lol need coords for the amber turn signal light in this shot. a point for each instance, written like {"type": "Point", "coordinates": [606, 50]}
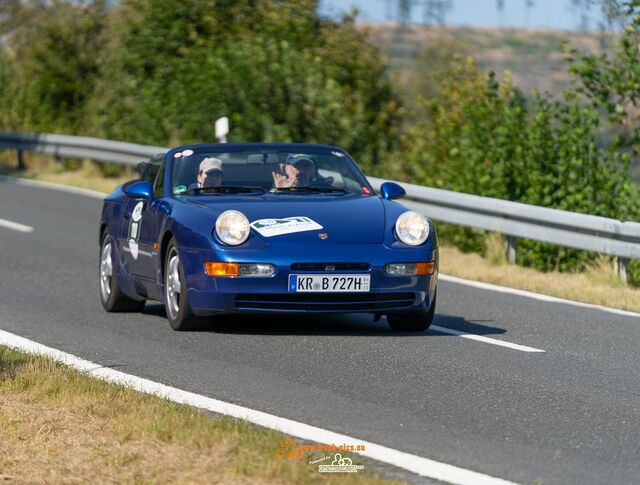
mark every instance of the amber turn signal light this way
{"type": "Point", "coordinates": [221, 269]}
{"type": "Point", "coordinates": [410, 269]}
{"type": "Point", "coordinates": [425, 268]}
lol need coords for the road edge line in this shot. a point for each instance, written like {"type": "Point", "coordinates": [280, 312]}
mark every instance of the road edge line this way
{"type": "Point", "coordinates": [53, 186]}
{"type": "Point", "coordinates": [412, 463]}
{"type": "Point", "coordinates": [536, 296]}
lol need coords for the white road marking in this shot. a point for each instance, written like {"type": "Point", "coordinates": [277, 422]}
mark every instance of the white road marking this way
{"type": "Point", "coordinates": [59, 187]}
{"type": "Point", "coordinates": [486, 340]}
{"type": "Point", "coordinates": [535, 296]}
{"type": "Point", "coordinates": [413, 463]}
{"type": "Point", "coordinates": [15, 226]}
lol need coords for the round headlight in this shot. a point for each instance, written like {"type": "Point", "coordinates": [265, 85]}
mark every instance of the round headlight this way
{"type": "Point", "coordinates": [412, 228]}
{"type": "Point", "coordinates": [232, 227]}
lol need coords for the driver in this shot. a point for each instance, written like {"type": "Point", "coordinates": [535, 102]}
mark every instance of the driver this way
{"type": "Point", "coordinates": [299, 171]}
{"type": "Point", "coordinates": [209, 173]}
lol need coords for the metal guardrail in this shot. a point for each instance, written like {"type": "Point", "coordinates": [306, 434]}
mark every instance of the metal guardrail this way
{"type": "Point", "coordinates": [79, 147]}
{"type": "Point", "coordinates": [516, 220]}
{"type": "Point", "coordinates": [564, 228]}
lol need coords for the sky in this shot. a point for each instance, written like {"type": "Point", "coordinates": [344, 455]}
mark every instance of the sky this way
{"type": "Point", "coordinates": [553, 14]}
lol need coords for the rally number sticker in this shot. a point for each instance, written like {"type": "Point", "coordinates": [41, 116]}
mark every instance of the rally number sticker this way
{"type": "Point", "coordinates": [134, 229]}
{"type": "Point", "coordinates": [287, 225]}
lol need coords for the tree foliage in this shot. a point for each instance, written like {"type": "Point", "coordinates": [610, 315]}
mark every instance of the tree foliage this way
{"type": "Point", "coordinates": [162, 72]}
{"type": "Point", "coordinates": [484, 137]}
{"type": "Point", "coordinates": [50, 63]}
{"type": "Point", "coordinates": [611, 80]}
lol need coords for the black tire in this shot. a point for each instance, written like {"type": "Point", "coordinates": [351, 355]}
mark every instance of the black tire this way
{"type": "Point", "coordinates": [177, 307]}
{"type": "Point", "coordinates": [412, 322]}
{"type": "Point", "coordinates": [111, 297]}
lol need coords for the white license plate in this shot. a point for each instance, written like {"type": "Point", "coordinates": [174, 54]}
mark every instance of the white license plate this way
{"type": "Point", "coordinates": [335, 283]}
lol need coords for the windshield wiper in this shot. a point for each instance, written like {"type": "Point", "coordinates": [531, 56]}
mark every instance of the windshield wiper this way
{"type": "Point", "coordinates": [224, 189]}
{"type": "Point", "coordinates": [310, 188]}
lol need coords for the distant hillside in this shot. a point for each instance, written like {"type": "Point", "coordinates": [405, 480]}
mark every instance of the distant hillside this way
{"type": "Point", "coordinates": [533, 56]}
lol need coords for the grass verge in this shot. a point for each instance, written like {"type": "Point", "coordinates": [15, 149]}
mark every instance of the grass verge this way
{"type": "Point", "coordinates": [84, 173]}
{"type": "Point", "coordinates": [599, 285]}
{"type": "Point", "coordinates": [59, 425]}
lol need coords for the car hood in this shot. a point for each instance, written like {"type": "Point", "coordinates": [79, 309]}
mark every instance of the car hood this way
{"type": "Point", "coordinates": [344, 219]}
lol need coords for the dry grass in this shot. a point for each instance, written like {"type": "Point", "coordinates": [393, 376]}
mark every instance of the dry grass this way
{"type": "Point", "coordinates": [599, 285]}
{"type": "Point", "coordinates": [58, 425]}
{"type": "Point", "coordinates": [84, 174]}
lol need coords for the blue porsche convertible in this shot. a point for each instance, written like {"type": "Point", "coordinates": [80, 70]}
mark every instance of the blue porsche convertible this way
{"type": "Point", "coordinates": [265, 228]}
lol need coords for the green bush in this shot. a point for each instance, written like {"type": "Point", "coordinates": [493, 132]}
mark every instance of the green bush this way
{"type": "Point", "coordinates": [275, 68]}
{"type": "Point", "coordinates": [633, 272]}
{"type": "Point", "coordinates": [483, 137]}
{"type": "Point", "coordinates": [70, 164]}
{"type": "Point", "coordinates": [52, 57]}
{"type": "Point", "coordinates": [161, 72]}
{"type": "Point", "coordinates": [610, 81]}
{"type": "Point", "coordinates": [111, 170]}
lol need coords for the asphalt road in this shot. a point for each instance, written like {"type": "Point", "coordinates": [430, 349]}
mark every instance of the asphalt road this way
{"type": "Point", "coordinates": [568, 415]}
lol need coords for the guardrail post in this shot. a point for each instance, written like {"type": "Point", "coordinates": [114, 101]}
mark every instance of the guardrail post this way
{"type": "Point", "coordinates": [510, 249]}
{"type": "Point", "coordinates": [621, 268]}
{"type": "Point", "coordinates": [21, 164]}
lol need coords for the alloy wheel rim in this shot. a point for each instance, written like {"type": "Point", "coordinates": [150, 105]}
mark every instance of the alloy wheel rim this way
{"type": "Point", "coordinates": [172, 285]}
{"type": "Point", "coordinates": [106, 271]}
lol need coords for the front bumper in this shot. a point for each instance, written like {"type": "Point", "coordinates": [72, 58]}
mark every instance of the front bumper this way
{"type": "Point", "coordinates": [397, 294]}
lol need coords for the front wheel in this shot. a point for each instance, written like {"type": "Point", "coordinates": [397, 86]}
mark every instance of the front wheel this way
{"type": "Point", "coordinates": [112, 298]}
{"type": "Point", "coordinates": [412, 322]}
{"type": "Point", "coordinates": [176, 301]}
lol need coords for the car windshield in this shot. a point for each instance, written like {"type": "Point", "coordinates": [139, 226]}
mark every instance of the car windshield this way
{"type": "Point", "coordinates": [223, 170]}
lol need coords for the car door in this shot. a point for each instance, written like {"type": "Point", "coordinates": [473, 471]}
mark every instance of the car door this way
{"type": "Point", "coordinates": [140, 225]}
{"type": "Point", "coordinates": [153, 215]}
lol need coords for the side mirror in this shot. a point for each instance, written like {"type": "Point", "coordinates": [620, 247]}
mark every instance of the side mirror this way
{"type": "Point", "coordinates": [141, 189]}
{"type": "Point", "coordinates": [391, 190]}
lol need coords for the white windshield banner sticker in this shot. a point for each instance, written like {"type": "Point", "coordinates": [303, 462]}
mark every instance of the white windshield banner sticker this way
{"type": "Point", "coordinates": [287, 225]}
